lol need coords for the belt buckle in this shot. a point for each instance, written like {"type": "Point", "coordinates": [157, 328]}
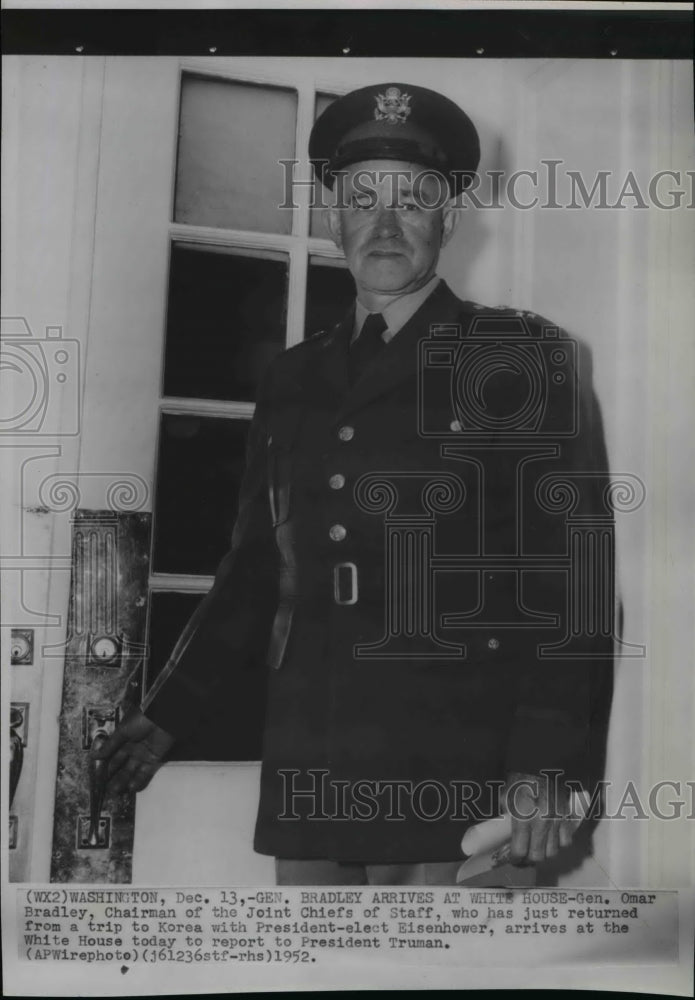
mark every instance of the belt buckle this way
{"type": "Point", "coordinates": [337, 589]}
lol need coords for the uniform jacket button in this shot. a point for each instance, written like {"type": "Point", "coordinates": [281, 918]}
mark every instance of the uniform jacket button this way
{"type": "Point", "coordinates": [337, 481]}
{"type": "Point", "coordinates": [346, 433]}
{"type": "Point", "coordinates": [338, 532]}
{"type": "Point", "coordinates": [493, 643]}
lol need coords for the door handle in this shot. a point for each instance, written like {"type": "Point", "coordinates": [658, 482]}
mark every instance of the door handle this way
{"type": "Point", "coordinates": [98, 776]}
{"type": "Point", "coordinates": [16, 749]}
{"type": "Point", "coordinates": [99, 723]}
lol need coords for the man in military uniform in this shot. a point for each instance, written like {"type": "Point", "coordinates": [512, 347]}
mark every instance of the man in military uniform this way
{"type": "Point", "coordinates": [397, 559]}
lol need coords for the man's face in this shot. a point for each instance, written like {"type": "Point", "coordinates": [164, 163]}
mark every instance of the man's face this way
{"type": "Point", "coordinates": [390, 238]}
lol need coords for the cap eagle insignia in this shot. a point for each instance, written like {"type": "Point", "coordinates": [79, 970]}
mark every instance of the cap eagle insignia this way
{"type": "Point", "coordinates": [392, 107]}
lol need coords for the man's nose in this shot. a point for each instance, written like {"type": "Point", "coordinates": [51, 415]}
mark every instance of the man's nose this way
{"type": "Point", "coordinates": [387, 222]}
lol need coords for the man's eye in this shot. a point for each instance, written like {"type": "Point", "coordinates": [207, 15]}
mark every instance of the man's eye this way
{"type": "Point", "coordinates": [362, 202]}
{"type": "Point", "coordinates": [409, 205]}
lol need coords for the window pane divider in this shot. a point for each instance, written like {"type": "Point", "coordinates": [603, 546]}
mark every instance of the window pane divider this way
{"type": "Point", "coordinates": [303, 171]}
{"type": "Point", "coordinates": [207, 407]}
{"type": "Point", "coordinates": [178, 582]}
{"type": "Point", "coordinates": [238, 71]}
{"type": "Point", "coordinates": [296, 292]}
{"type": "Point", "coordinates": [183, 232]}
{"type": "Point", "coordinates": [275, 73]}
{"type": "Point", "coordinates": [212, 763]}
{"type": "Point", "coordinates": [324, 248]}
{"type": "Point", "coordinates": [326, 85]}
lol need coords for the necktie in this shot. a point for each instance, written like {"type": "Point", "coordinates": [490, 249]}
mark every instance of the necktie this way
{"type": "Point", "coordinates": [367, 346]}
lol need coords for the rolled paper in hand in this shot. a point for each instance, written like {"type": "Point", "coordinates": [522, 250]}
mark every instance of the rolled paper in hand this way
{"type": "Point", "coordinates": [493, 833]}
{"type": "Point", "coordinates": [487, 845]}
{"type": "Point", "coordinates": [487, 836]}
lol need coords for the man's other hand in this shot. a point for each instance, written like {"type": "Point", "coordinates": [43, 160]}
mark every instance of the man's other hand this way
{"type": "Point", "coordinates": [135, 752]}
{"type": "Point", "coordinates": [539, 807]}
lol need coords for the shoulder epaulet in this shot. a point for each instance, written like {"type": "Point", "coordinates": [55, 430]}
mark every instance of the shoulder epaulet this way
{"type": "Point", "coordinates": [535, 319]}
{"type": "Point", "coordinates": [320, 333]}
{"type": "Point", "coordinates": [308, 341]}
{"type": "Point", "coordinates": [527, 314]}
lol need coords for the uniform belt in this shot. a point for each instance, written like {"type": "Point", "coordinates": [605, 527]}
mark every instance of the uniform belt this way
{"type": "Point", "coordinates": [343, 587]}
{"type": "Point", "coordinates": [345, 583]}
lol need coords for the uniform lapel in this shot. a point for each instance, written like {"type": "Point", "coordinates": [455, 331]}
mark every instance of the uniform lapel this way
{"type": "Point", "coordinates": [399, 359]}
{"type": "Point", "coordinates": [326, 377]}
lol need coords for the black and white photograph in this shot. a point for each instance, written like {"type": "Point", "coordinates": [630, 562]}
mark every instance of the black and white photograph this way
{"type": "Point", "coordinates": [346, 421]}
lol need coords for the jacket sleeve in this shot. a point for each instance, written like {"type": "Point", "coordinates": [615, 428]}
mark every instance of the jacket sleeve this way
{"type": "Point", "coordinates": [231, 624]}
{"type": "Point", "coordinates": [562, 703]}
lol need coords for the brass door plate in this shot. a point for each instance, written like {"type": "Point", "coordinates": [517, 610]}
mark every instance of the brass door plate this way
{"type": "Point", "coordinates": [19, 719]}
{"type": "Point", "coordinates": [103, 834]}
{"type": "Point", "coordinates": [104, 650]}
{"type": "Point", "coordinates": [96, 718]}
{"type": "Point", "coordinates": [21, 647]}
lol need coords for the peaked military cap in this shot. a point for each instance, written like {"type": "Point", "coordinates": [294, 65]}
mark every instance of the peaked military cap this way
{"type": "Point", "coordinates": [395, 121]}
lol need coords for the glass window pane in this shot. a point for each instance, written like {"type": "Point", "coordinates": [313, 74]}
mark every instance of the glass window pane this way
{"type": "Point", "coordinates": [231, 139]}
{"type": "Point", "coordinates": [316, 224]}
{"type": "Point", "coordinates": [232, 726]}
{"type": "Point", "coordinates": [226, 320]}
{"type": "Point", "coordinates": [199, 470]}
{"type": "Point", "coordinates": [323, 99]}
{"type": "Point", "coordinates": [330, 291]}
{"type": "Point", "coordinates": [169, 613]}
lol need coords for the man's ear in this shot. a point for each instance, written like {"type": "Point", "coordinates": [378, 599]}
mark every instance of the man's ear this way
{"type": "Point", "coordinates": [332, 221]}
{"type": "Point", "coordinates": [450, 220]}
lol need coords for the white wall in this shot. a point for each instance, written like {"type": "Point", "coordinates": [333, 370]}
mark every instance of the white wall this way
{"type": "Point", "coordinates": [51, 112]}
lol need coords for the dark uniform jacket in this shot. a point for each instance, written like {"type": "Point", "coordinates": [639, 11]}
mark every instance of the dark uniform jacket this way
{"type": "Point", "coordinates": [399, 559]}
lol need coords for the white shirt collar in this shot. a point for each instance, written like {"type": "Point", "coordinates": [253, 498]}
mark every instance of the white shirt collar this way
{"type": "Point", "coordinates": [398, 312]}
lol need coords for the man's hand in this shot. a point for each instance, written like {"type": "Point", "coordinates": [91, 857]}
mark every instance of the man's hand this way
{"type": "Point", "coordinates": [539, 807]}
{"type": "Point", "coordinates": [135, 752]}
